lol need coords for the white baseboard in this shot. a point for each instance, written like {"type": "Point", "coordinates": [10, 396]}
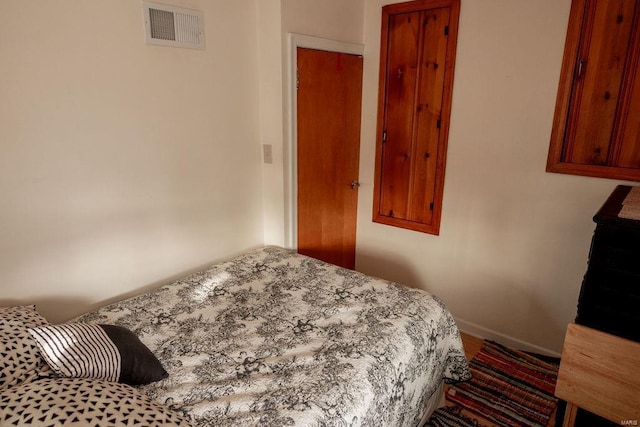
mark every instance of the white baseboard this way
{"type": "Point", "coordinates": [486, 333]}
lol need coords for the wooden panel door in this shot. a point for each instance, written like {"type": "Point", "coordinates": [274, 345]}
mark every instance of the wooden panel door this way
{"type": "Point", "coordinates": [403, 45]}
{"type": "Point", "coordinates": [417, 48]}
{"type": "Point", "coordinates": [627, 140]}
{"type": "Point", "coordinates": [428, 115]}
{"type": "Point", "coordinates": [417, 57]}
{"type": "Point", "coordinates": [600, 69]}
{"type": "Point", "coordinates": [329, 105]}
{"type": "Point", "coordinates": [596, 127]}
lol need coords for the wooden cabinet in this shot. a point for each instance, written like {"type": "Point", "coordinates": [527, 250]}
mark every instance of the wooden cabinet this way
{"type": "Point", "coordinates": [596, 129]}
{"type": "Point", "coordinates": [610, 294]}
{"type": "Point", "coordinates": [416, 79]}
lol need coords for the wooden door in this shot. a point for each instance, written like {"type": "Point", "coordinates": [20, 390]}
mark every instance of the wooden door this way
{"type": "Point", "coordinates": [417, 57]}
{"type": "Point", "coordinates": [329, 105]}
{"type": "Point", "coordinates": [599, 81]}
{"type": "Point", "coordinates": [596, 127]}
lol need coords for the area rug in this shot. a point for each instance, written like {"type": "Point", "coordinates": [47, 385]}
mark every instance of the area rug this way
{"type": "Point", "coordinates": [452, 416]}
{"type": "Point", "coordinates": [508, 388]}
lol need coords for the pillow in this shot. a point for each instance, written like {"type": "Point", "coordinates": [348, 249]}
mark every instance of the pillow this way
{"type": "Point", "coordinates": [82, 402]}
{"type": "Point", "coordinates": [20, 359]}
{"type": "Point", "coordinates": [105, 352]}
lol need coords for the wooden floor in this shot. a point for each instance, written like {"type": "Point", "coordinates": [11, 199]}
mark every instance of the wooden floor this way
{"type": "Point", "coordinates": [472, 345]}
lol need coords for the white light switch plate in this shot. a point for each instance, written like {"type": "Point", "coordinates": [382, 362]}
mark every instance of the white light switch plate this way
{"type": "Point", "coordinates": [267, 151]}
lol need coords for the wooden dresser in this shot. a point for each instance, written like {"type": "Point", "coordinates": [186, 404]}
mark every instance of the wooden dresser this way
{"type": "Point", "coordinates": [600, 365]}
{"type": "Point", "coordinates": [610, 295]}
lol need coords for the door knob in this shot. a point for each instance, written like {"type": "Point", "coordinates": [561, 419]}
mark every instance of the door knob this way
{"type": "Point", "coordinates": [355, 184]}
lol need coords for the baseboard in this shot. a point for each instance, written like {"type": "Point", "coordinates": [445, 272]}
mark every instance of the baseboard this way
{"type": "Point", "coordinates": [486, 333]}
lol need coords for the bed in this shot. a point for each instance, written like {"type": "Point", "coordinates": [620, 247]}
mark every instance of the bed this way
{"type": "Point", "coordinates": [274, 338]}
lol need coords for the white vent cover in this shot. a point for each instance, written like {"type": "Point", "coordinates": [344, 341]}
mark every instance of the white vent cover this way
{"type": "Point", "coordinates": [173, 26]}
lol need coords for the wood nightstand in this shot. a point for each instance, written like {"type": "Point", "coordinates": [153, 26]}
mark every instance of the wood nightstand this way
{"type": "Point", "coordinates": [599, 372]}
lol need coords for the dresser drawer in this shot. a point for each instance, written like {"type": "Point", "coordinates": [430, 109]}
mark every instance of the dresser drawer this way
{"type": "Point", "coordinates": [617, 248]}
{"type": "Point", "coordinates": [609, 301]}
{"type": "Point", "coordinates": [609, 320]}
{"type": "Point", "coordinates": [600, 282]}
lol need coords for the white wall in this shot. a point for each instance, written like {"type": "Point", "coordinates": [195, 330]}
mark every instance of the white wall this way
{"type": "Point", "coordinates": [339, 20]}
{"type": "Point", "coordinates": [122, 164]}
{"type": "Point", "coordinates": [514, 239]}
{"type": "Point", "coordinates": [272, 92]}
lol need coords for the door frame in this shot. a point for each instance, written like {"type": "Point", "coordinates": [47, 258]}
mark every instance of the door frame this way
{"type": "Point", "coordinates": [291, 144]}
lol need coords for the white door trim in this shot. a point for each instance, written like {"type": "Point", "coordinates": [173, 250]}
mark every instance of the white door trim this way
{"type": "Point", "coordinates": [290, 147]}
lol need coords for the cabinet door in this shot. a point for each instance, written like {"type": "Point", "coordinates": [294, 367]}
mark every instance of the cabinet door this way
{"type": "Point", "coordinates": [598, 82]}
{"type": "Point", "coordinates": [428, 115]}
{"type": "Point", "coordinates": [400, 81]}
{"type": "Point", "coordinates": [627, 147]}
{"type": "Point", "coordinates": [416, 78]}
{"type": "Point", "coordinates": [596, 131]}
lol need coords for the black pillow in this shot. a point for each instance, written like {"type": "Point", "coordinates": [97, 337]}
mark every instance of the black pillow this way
{"type": "Point", "coordinates": [107, 352]}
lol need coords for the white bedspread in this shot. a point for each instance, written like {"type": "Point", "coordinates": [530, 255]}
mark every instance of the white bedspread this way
{"type": "Point", "coordinates": [273, 338]}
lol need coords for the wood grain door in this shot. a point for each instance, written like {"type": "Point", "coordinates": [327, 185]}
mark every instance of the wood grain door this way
{"type": "Point", "coordinates": [329, 104]}
{"type": "Point", "coordinates": [417, 58]}
{"type": "Point", "coordinates": [599, 81]}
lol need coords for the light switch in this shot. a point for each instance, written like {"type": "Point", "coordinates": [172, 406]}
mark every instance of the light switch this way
{"type": "Point", "coordinates": [267, 151]}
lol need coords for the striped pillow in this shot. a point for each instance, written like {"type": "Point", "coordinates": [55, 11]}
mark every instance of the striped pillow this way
{"type": "Point", "coordinates": [106, 352]}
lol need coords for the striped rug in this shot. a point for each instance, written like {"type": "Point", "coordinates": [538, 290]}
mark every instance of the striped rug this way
{"type": "Point", "coordinates": [508, 388]}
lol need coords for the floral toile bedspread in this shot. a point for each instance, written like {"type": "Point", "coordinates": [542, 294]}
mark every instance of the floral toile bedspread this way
{"type": "Point", "coordinates": [273, 338]}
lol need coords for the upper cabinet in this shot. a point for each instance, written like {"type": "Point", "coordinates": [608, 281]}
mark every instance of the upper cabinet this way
{"type": "Point", "coordinates": [416, 79]}
{"type": "Point", "coordinates": [596, 129]}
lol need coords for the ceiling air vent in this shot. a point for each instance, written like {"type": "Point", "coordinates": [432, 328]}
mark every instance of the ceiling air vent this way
{"type": "Point", "coordinates": [173, 26]}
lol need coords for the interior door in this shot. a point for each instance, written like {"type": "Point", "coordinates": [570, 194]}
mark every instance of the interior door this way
{"type": "Point", "coordinates": [328, 115]}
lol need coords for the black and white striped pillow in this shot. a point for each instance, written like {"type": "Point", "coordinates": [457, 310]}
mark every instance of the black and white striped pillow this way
{"type": "Point", "coordinates": [107, 352]}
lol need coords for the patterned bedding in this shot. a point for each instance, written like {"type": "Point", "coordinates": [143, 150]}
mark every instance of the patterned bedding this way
{"type": "Point", "coordinates": [273, 338]}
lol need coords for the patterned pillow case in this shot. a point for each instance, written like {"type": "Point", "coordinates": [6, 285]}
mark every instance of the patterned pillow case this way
{"type": "Point", "coordinates": [107, 352]}
{"type": "Point", "coordinates": [20, 359]}
{"type": "Point", "coordinates": [53, 402]}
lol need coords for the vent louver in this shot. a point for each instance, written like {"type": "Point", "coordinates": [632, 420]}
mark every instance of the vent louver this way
{"type": "Point", "coordinates": [173, 26]}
